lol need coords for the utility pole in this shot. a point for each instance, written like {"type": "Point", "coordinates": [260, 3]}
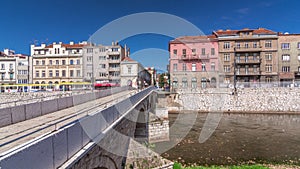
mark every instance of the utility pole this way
{"type": "Point", "coordinates": [234, 71]}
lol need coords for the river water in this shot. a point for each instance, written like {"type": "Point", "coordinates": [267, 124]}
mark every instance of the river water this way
{"type": "Point", "coordinates": [238, 138]}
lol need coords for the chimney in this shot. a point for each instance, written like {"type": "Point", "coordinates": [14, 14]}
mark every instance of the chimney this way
{"type": "Point", "coordinates": [60, 43]}
{"type": "Point", "coordinates": [71, 43]}
{"type": "Point", "coordinates": [54, 43]}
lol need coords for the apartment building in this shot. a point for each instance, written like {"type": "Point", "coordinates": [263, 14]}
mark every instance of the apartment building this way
{"type": "Point", "coordinates": [57, 63]}
{"type": "Point", "coordinates": [193, 62]}
{"type": "Point", "coordinates": [14, 67]}
{"type": "Point", "coordinates": [289, 58]}
{"type": "Point", "coordinates": [251, 53]}
{"type": "Point", "coordinates": [134, 74]}
{"type": "Point", "coordinates": [102, 63]}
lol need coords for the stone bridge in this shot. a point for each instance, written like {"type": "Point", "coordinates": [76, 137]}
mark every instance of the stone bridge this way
{"type": "Point", "coordinates": [100, 140]}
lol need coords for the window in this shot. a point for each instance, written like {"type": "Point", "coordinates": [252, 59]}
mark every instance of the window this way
{"type": "Point", "coordinates": [129, 69]}
{"type": "Point", "coordinates": [71, 62]}
{"type": "Point", "coordinates": [285, 57]}
{"type": "Point", "coordinates": [203, 51]}
{"type": "Point", "coordinates": [212, 52]}
{"type": "Point", "coordinates": [226, 68]}
{"type": "Point", "coordinates": [298, 45]}
{"type": "Point", "coordinates": [194, 52]}
{"type": "Point", "coordinates": [227, 57]}
{"type": "Point", "coordinates": [11, 76]}
{"type": "Point", "coordinates": [43, 62]}
{"type": "Point", "coordinates": [11, 66]}
{"type": "Point", "coordinates": [71, 73]}
{"type": "Point", "coordinates": [102, 74]}
{"type": "Point", "coordinates": [50, 62]}
{"type": "Point", "coordinates": [254, 68]}
{"type": "Point", "coordinates": [184, 52]}
{"type": "Point", "coordinates": [63, 62]}
{"type": "Point", "coordinates": [37, 62]}
{"type": "Point", "coordinates": [268, 68]}
{"type": "Point", "coordinates": [78, 62]}
{"type": "Point", "coordinates": [37, 73]}
{"type": "Point", "coordinates": [268, 44]}
{"type": "Point", "coordinates": [268, 56]}
{"type": "Point", "coordinates": [78, 74]}
{"type": "Point", "coordinates": [89, 58]}
{"type": "Point", "coordinates": [184, 67]}
{"type": "Point", "coordinates": [114, 49]}
{"type": "Point", "coordinates": [103, 66]}
{"type": "Point", "coordinates": [285, 46]}
{"type": "Point", "coordinates": [50, 73]}
{"type": "Point", "coordinates": [2, 66]}
{"type": "Point", "coordinates": [203, 67]}
{"type": "Point", "coordinates": [102, 50]}
{"type": "Point", "coordinates": [57, 73]}
{"type": "Point", "coordinates": [57, 62]}
{"type": "Point", "coordinates": [254, 44]}
{"type": "Point", "coordinates": [184, 83]}
{"type": "Point", "coordinates": [298, 68]}
{"type": "Point", "coordinates": [89, 50]}
{"type": "Point", "coordinates": [63, 73]}
{"type": "Point", "coordinates": [246, 45]}
{"type": "Point", "coordinates": [194, 83]}
{"type": "Point", "coordinates": [226, 45]}
{"type": "Point", "coordinates": [175, 67]}
{"type": "Point", "coordinates": [299, 57]}
{"type": "Point", "coordinates": [213, 66]}
{"type": "Point", "coordinates": [102, 57]}
{"type": "Point", "coordinates": [89, 74]}
{"type": "Point", "coordinates": [43, 73]}
{"type": "Point", "coordinates": [268, 79]}
{"type": "Point", "coordinates": [238, 45]}
{"type": "Point", "coordinates": [285, 69]}
{"type": "Point", "coordinates": [194, 67]}
{"type": "Point", "coordinates": [175, 82]}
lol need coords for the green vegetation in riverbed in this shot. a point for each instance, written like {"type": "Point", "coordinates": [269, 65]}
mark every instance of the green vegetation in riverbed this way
{"type": "Point", "coordinates": [179, 166]}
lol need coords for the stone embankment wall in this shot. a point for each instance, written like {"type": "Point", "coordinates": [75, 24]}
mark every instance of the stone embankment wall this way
{"type": "Point", "coordinates": [247, 99]}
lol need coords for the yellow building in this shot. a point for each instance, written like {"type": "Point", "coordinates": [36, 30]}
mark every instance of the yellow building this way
{"type": "Point", "coordinates": [56, 63]}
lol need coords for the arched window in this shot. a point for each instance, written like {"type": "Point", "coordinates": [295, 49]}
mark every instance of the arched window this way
{"type": "Point", "coordinates": [194, 83]}
{"type": "Point", "coordinates": [203, 82]}
{"type": "Point", "coordinates": [184, 83]}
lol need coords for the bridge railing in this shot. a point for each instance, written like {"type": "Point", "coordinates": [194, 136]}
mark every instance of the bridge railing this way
{"type": "Point", "coordinates": [55, 148]}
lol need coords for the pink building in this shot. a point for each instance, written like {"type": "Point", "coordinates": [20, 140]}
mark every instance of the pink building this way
{"type": "Point", "coordinates": [194, 62]}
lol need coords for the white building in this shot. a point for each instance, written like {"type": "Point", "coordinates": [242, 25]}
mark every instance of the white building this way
{"type": "Point", "coordinates": [134, 74]}
{"type": "Point", "coordinates": [102, 63]}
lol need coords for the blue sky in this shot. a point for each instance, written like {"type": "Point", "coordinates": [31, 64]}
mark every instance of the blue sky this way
{"type": "Point", "coordinates": [32, 21]}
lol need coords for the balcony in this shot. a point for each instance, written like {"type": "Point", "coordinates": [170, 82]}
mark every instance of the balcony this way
{"type": "Point", "coordinates": [195, 57]}
{"type": "Point", "coordinates": [11, 70]}
{"type": "Point", "coordinates": [248, 73]}
{"type": "Point", "coordinates": [248, 49]}
{"type": "Point", "coordinates": [113, 61]}
{"type": "Point", "coordinates": [2, 71]}
{"type": "Point", "coordinates": [113, 69]}
{"type": "Point", "coordinates": [248, 61]}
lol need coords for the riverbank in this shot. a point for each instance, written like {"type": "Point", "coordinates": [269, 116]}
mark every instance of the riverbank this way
{"type": "Point", "coordinates": [247, 100]}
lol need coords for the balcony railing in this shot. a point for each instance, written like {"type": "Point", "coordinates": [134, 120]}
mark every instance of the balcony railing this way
{"type": "Point", "coordinates": [195, 57]}
{"type": "Point", "coordinates": [248, 73]}
{"type": "Point", "coordinates": [249, 48]}
{"type": "Point", "coordinates": [248, 61]}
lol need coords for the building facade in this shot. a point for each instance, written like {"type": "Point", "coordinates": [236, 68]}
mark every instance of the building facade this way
{"type": "Point", "coordinates": [134, 74]}
{"type": "Point", "coordinates": [102, 63]}
{"type": "Point", "coordinates": [14, 68]}
{"type": "Point", "coordinates": [193, 62]}
{"type": "Point", "coordinates": [57, 63]}
{"type": "Point", "coordinates": [289, 59]}
{"type": "Point", "coordinates": [249, 55]}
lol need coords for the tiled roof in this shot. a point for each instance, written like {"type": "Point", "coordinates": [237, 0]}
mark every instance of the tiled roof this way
{"type": "Point", "coordinates": [259, 31]}
{"type": "Point", "coordinates": [128, 59]}
{"type": "Point", "coordinates": [184, 39]}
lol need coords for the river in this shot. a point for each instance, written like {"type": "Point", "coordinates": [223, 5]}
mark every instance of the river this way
{"type": "Point", "coordinates": [238, 138]}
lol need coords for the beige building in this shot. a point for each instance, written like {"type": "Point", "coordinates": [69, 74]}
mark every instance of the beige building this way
{"type": "Point", "coordinates": [252, 53]}
{"type": "Point", "coordinates": [57, 63]}
{"type": "Point", "coordinates": [289, 59]}
{"type": "Point", "coordinates": [102, 63]}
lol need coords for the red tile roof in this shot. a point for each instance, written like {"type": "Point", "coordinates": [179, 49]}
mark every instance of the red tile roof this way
{"type": "Point", "coordinates": [184, 39]}
{"type": "Point", "coordinates": [128, 59]}
{"type": "Point", "coordinates": [258, 31]}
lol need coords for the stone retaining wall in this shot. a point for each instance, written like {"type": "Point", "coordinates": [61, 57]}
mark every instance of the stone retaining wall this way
{"type": "Point", "coordinates": [247, 99]}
